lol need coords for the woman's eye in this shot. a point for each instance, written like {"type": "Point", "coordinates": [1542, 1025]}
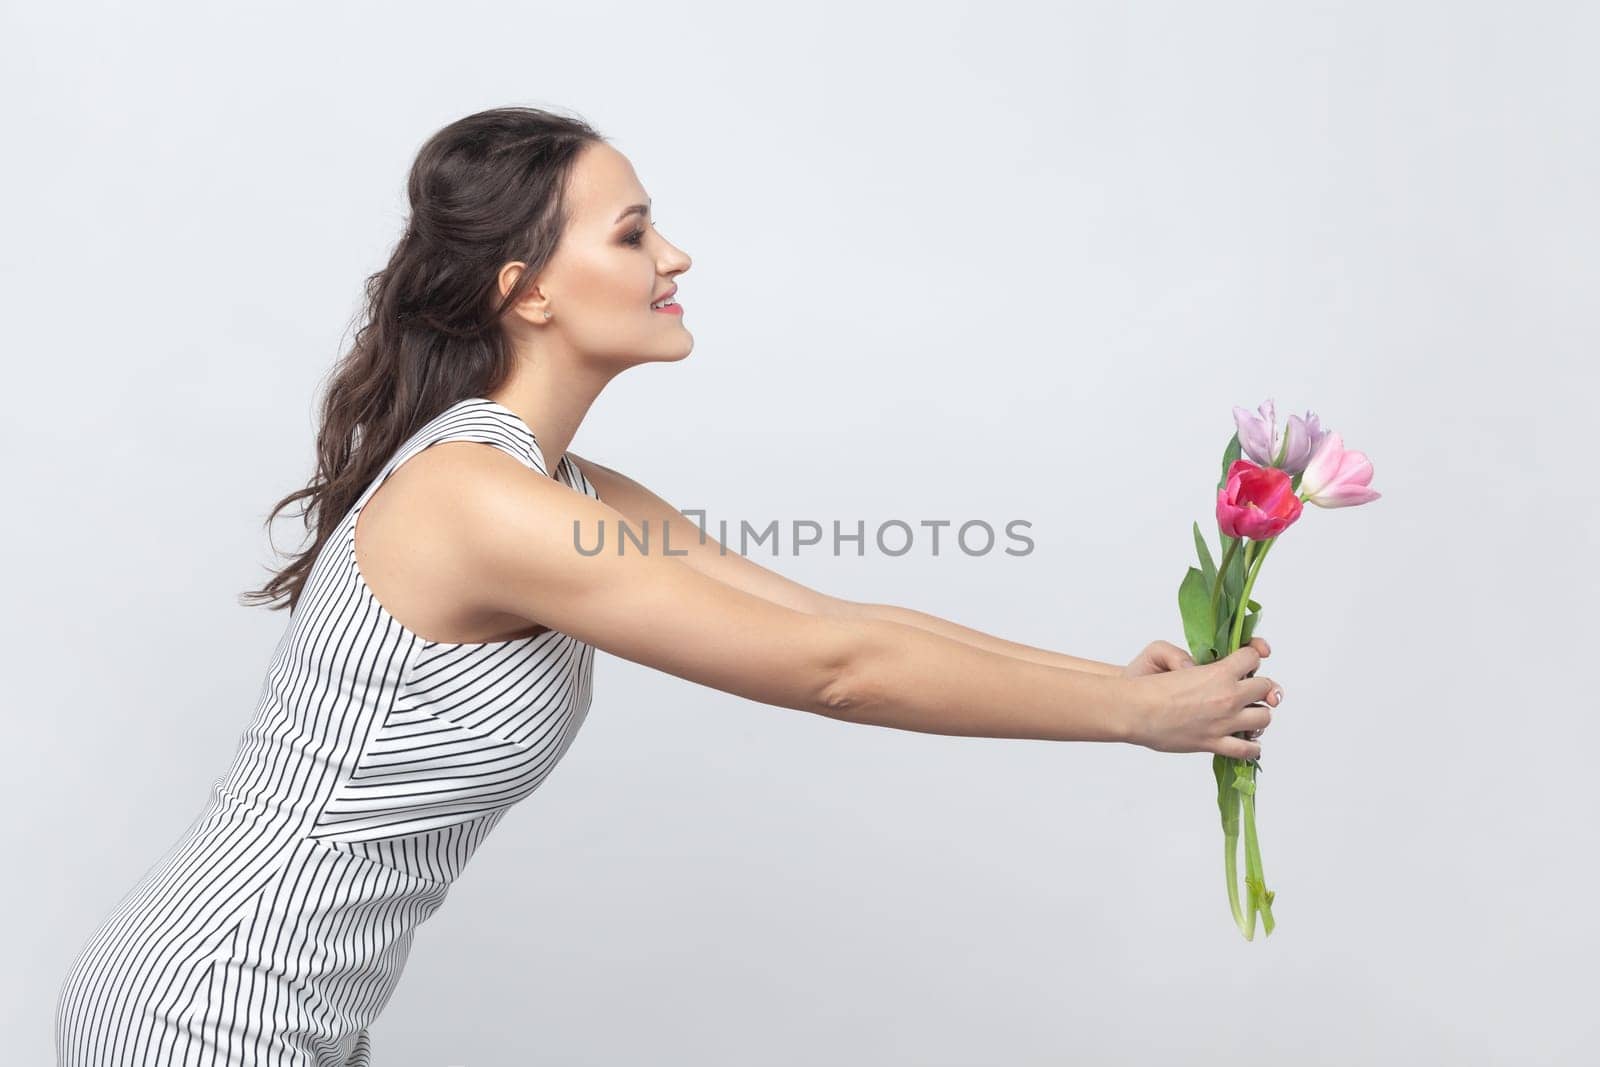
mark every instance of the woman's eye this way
{"type": "Point", "coordinates": [634, 237]}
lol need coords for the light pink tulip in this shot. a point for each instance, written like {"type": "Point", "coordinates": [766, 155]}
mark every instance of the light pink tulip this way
{"type": "Point", "coordinates": [1336, 477]}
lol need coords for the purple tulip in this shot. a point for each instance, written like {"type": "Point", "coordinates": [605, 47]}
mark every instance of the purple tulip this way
{"type": "Point", "coordinates": [1336, 478]}
{"type": "Point", "coordinates": [1288, 448]}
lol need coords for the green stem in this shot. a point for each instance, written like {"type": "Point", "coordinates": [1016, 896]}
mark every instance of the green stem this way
{"type": "Point", "coordinates": [1260, 897]}
{"type": "Point", "coordinates": [1257, 897]}
{"type": "Point", "coordinates": [1252, 866]}
{"type": "Point", "coordinates": [1252, 568]}
{"type": "Point", "coordinates": [1222, 569]}
{"type": "Point", "coordinates": [1230, 844]}
{"type": "Point", "coordinates": [1228, 802]}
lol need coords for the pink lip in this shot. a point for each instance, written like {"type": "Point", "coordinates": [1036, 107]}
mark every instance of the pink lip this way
{"type": "Point", "coordinates": [670, 309]}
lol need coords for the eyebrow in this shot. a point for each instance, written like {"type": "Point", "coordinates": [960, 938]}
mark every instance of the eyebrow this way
{"type": "Point", "coordinates": [636, 209]}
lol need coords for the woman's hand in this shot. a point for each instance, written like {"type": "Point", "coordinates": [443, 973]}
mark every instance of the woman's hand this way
{"type": "Point", "coordinates": [1160, 656]}
{"type": "Point", "coordinates": [1195, 710]}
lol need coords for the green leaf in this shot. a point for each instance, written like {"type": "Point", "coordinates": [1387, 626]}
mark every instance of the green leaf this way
{"type": "Point", "coordinates": [1228, 800]}
{"type": "Point", "coordinates": [1249, 627]}
{"type": "Point", "coordinates": [1228, 603]}
{"type": "Point", "coordinates": [1194, 603]}
{"type": "Point", "coordinates": [1223, 634]}
{"type": "Point", "coordinates": [1207, 566]}
{"type": "Point", "coordinates": [1229, 454]}
{"type": "Point", "coordinates": [1233, 580]}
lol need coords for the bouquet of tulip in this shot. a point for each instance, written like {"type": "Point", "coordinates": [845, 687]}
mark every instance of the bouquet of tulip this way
{"type": "Point", "coordinates": [1257, 499]}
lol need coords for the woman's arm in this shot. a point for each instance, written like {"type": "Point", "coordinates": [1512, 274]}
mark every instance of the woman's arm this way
{"type": "Point", "coordinates": [646, 510]}
{"type": "Point", "coordinates": [515, 536]}
{"type": "Point", "coordinates": [977, 638]}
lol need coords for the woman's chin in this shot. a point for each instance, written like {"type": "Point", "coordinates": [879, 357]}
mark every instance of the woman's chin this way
{"type": "Point", "coordinates": [673, 355]}
{"type": "Point", "coordinates": [660, 354]}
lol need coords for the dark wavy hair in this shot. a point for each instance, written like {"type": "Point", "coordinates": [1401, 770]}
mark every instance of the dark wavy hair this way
{"type": "Point", "coordinates": [485, 190]}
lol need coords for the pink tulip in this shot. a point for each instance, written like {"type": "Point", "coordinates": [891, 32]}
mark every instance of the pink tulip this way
{"type": "Point", "coordinates": [1257, 502]}
{"type": "Point", "coordinates": [1337, 478]}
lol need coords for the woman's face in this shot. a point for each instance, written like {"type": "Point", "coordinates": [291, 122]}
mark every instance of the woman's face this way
{"type": "Point", "coordinates": [610, 265]}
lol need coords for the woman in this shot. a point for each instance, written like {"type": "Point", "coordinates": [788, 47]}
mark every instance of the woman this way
{"type": "Point", "coordinates": [437, 661]}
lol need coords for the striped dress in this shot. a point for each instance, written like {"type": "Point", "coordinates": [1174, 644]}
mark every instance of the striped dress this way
{"type": "Point", "coordinates": [275, 929]}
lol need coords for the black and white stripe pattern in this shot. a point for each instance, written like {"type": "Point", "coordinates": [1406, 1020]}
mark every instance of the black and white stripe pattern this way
{"type": "Point", "coordinates": [274, 930]}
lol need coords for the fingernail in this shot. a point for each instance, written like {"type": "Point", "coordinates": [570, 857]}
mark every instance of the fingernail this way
{"type": "Point", "coordinates": [1277, 696]}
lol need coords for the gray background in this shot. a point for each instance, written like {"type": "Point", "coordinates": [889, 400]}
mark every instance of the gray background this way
{"type": "Point", "coordinates": [997, 261]}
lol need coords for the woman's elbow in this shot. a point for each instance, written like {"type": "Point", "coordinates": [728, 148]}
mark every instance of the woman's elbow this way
{"type": "Point", "coordinates": [851, 671]}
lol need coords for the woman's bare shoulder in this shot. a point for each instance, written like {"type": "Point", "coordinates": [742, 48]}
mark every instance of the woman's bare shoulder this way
{"type": "Point", "coordinates": [407, 543]}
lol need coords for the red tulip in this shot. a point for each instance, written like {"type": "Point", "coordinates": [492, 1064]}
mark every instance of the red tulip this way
{"type": "Point", "coordinates": [1257, 502]}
